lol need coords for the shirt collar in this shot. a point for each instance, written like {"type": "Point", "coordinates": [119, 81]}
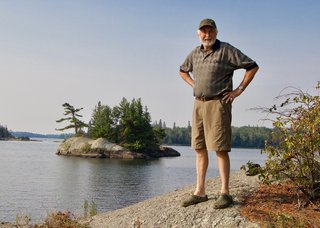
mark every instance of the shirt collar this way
{"type": "Point", "coordinates": [214, 47]}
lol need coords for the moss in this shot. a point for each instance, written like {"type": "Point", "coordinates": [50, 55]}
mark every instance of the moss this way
{"type": "Point", "coordinates": [86, 148]}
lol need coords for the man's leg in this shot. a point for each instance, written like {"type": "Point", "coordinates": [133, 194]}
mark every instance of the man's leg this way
{"type": "Point", "coordinates": [200, 192]}
{"type": "Point", "coordinates": [202, 162]}
{"type": "Point", "coordinates": [224, 170]}
{"type": "Point", "coordinates": [224, 200]}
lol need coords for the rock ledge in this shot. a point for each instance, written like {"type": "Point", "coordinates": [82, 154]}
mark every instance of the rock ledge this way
{"type": "Point", "coordinates": [165, 210]}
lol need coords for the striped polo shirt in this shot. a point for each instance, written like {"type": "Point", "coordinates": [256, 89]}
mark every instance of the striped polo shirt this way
{"type": "Point", "coordinates": [213, 71]}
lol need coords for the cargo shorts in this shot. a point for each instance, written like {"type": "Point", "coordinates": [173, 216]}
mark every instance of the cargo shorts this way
{"type": "Point", "coordinates": [211, 125]}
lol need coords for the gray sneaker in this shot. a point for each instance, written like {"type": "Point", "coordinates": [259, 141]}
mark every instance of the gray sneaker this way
{"type": "Point", "coordinates": [223, 201]}
{"type": "Point", "coordinates": [194, 200]}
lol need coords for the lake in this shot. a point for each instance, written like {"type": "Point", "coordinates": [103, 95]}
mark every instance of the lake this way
{"type": "Point", "coordinates": [34, 181]}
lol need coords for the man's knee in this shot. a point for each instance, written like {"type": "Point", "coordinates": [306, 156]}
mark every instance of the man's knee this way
{"type": "Point", "coordinates": [201, 151]}
{"type": "Point", "coordinates": [222, 154]}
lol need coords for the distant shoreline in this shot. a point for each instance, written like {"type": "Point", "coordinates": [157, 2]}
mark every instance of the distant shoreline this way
{"type": "Point", "coordinates": [36, 135]}
{"type": "Point", "coordinates": [24, 139]}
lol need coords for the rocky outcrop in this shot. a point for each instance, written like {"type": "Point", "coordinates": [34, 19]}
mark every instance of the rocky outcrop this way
{"type": "Point", "coordinates": [166, 210]}
{"type": "Point", "coordinates": [101, 148]}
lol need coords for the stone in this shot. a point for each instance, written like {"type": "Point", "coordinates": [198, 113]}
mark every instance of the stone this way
{"type": "Point", "coordinates": [166, 210]}
{"type": "Point", "coordinates": [101, 148]}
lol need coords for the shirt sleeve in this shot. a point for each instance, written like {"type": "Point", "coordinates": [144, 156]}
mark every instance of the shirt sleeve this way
{"type": "Point", "coordinates": [187, 65]}
{"type": "Point", "coordinates": [240, 61]}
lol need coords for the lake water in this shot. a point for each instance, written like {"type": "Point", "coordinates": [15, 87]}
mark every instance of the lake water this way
{"type": "Point", "coordinates": [34, 181]}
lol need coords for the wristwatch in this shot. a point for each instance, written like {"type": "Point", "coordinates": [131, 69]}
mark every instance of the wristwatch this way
{"type": "Point", "coordinates": [241, 88]}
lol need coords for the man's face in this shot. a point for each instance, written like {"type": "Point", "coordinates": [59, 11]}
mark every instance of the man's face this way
{"type": "Point", "coordinates": [207, 36]}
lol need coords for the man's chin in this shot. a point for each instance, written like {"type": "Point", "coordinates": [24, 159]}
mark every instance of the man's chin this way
{"type": "Point", "coordinates": [208, 43]}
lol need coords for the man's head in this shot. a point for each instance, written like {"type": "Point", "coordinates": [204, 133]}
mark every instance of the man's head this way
{"type": "Point", "coordinates": [207, 32]}
{"type": "Point", "coordinates": [207, 22]}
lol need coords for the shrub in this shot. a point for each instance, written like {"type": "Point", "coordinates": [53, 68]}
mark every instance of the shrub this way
{"type": "Point", "coordinates": [297, 156]}
{"type": "Point", "coordinates": [90, 209]}
{"type": "Point", "coordinates": [61, 219]}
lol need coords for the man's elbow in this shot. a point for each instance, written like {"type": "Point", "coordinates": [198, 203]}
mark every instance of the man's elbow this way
{"type": "Point", "coordinates": [256, 69]}
{"type": "Point", "coordinates": [183, 74]}
{"type": "Point", "coordinates": [253, 70]}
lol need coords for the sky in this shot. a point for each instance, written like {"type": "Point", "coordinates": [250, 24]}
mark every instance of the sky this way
{"type": "Point", "coordinates": [83, 52]}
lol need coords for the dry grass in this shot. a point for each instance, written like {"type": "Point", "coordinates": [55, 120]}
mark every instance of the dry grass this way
{"type": "Point", "coordinates": [61, 219]}
{"type": "Point", "coordinates": [277, 206]}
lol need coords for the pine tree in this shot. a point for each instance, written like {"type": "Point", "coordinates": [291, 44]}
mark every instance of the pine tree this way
{"type": "Point", "coordinates": [4, 133]}
{"type": "Point", "coordinates": [102, 124]}
{"type": "Point", "coordinates": [134, 127]}
{"type": "Point", "coordinates": [73, 118]}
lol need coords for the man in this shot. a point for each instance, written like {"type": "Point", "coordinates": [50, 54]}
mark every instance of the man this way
{"type": "Point", "coordinates": [212, 65]}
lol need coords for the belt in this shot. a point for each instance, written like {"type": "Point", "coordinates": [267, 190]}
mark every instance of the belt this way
{"type": "Point", "coordinates": [217, 97]}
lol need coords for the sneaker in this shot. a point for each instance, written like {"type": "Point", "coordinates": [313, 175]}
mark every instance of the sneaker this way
{"type": "Point", "coordinates": [194, 200]}
{"type": "Point", "coordinates": [223, 201]}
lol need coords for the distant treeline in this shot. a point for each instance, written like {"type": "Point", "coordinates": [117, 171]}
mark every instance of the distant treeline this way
{"type": "Point", "coordinates": [20, 134]}
{"type": "Point", "coordinates": [4, 133]}
{"type": "Point", "coordinates": [242, 137]}
{"type": "Point", "coordinates": [251, 137]}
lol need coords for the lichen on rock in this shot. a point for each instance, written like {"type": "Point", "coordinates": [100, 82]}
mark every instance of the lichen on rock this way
{"type": "Point", "coordinates": [102, 148]}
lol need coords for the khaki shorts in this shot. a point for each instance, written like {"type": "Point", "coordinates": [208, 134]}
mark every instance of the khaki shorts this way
{"type": "Point", "coordinates": [211, 125]}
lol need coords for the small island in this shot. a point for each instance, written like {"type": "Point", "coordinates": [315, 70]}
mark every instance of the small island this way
{"type": "Point", "coordinates": [122, 132]}
{"type": "Point", "coordinates": [5, 135]}
{"type": "Point", "coordinates": [102, 148]}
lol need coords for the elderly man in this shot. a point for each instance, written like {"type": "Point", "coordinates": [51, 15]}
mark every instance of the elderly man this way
{"type": "Point", "coordinates": [212, 65]}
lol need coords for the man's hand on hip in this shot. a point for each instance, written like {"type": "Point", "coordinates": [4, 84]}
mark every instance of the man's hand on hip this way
{"type": "Point", "coordinates": [229, 97]}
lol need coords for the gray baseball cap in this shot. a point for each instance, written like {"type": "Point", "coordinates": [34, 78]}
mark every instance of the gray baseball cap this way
{"type": "Point", "coordinates": [207, 22]}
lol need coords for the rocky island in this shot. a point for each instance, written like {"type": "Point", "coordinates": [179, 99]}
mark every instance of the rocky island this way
{"type": "Point", "coordinates": [102, 148]}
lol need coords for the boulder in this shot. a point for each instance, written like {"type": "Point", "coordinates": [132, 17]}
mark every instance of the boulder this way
{"type": "Point", "coordinates": [102, 148]}
{"type": "Point", "coordinates": [165, 152]}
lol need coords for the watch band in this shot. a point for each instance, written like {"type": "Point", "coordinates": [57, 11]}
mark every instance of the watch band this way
{"type": "Point", "coordinates": [241, 88]}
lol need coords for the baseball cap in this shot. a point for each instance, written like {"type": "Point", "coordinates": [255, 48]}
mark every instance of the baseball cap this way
{"type": "Point", "coordinates": [207, 22]}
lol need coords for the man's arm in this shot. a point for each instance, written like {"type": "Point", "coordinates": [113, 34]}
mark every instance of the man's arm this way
{"type": "Point", "coordinates": [187, 78]}
{"type": "Point", "coordinates": [248, 76]}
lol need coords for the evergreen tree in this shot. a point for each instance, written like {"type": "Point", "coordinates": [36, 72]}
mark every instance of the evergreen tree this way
{"type": "Point", "coordinates": [4, 133]}
{"type": "Point", "coordinates": [159, 131]}
{"type": "Point", "coordinates": [102, 123]}
{"type": "Point", "coordinates": [73, 118]}
{"type": "Point", "coordinates": [164, 125]}
{"type": "Point", "coordinates": [135, 130]}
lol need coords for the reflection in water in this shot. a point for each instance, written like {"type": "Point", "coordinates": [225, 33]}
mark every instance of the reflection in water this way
{"type": "Point", "coordinates": [118, 183]}
{"type": "Point", "coordinates": [35, 181]}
